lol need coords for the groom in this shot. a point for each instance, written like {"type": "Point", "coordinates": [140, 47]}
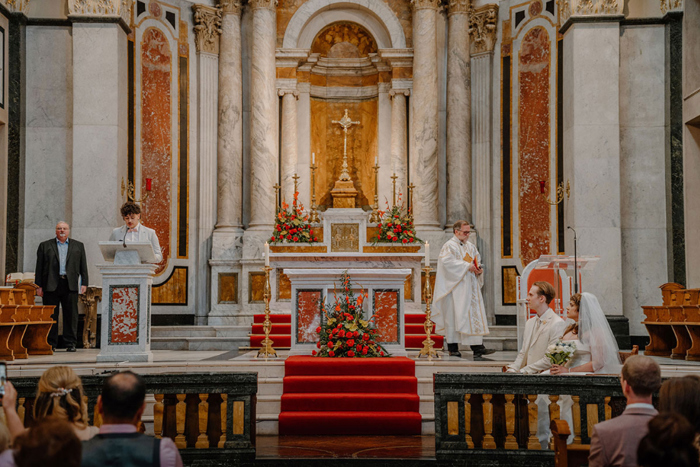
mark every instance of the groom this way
{"type": "Point", "coordinates": [540, 331]}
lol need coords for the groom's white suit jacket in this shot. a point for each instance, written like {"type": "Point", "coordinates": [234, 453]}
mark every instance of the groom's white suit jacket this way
{"type": "Point", "coordinates": [540, 332]}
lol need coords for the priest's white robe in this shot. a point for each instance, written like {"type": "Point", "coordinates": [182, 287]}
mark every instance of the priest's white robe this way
{"type": "Point", "coordinates": [458, 306]}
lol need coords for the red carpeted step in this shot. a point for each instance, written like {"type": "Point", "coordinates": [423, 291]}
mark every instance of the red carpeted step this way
{"type": "Point", "coordinates": [277, 329]}
{"type": "Point", "coordinates": [416, 329]}
{"type": "Point", "coordinates": [278, 341]}
{"type": "Point", "coordinates": [414, 318]}
{"type": "Point", "coordinates": [416, 342]}
{"type": "Point", "coordinates": [358, 402]}
{"type": "Point", "coordinates": [396, 366]}
{"type": "Point", "coordinates": [349, 423]}
{"type": "Point", "coordinates": [275, 318]}
{"type": "Point", "coordinates": [347, 384]}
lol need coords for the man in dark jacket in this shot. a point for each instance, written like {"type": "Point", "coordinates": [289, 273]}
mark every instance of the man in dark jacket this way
{"type": "Point", "coordinates": [61, 265]}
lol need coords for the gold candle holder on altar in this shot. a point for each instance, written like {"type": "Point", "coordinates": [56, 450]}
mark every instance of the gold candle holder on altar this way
{"type": "Point", "coordinates": [411, 187]}
{"type": "Point", "coordinates": [266, 349]}
{"type": "Point", "coordinates": [375, 218]}
{"type": "Point", "coordinates": [313, 214]}
{"type": "Point", "coordinates": [428, 343]}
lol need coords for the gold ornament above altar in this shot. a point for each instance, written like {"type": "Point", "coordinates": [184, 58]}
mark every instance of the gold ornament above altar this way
{"type": "Point", "coordinates": [344, 192]}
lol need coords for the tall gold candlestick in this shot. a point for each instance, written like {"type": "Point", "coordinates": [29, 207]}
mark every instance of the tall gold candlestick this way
{"type": "Point", "coordinates": [393, 188]}
{"type": "Point", "coordinates": [374, 218]}
{"type": "Point", "coordinates": [411, 187]}
{"type": "Point", "coordinates": [313, 214]}
{"type": "Point", "coordinates": [428, 343]}
{"type": "Point", "coordinates": [266, 349]}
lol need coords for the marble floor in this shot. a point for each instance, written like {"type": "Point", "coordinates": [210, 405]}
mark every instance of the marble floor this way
{"type": "Point", "coordinates": [345, 447]}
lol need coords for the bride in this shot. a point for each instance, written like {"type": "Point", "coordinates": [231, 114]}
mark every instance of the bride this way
{"type": "Point", "coordinates": [596, 352]}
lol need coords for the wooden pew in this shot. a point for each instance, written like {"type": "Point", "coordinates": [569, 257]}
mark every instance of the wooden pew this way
{"type": "Point", "coordinates": [572, 455]}
{"type": "Point", "coordinates": [24, 327]}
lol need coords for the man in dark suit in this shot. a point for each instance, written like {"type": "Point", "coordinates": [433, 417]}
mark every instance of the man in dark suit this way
{"type": "Point", "coordinates": [614, 442]}
{"type": "Point", "coordinates": [59, 263]}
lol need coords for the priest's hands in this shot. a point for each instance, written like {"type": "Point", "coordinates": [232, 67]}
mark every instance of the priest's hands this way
{"type": "Point", "coordinates": [475, 270]}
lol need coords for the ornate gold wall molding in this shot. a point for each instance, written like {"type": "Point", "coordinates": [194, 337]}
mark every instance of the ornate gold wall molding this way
{"type": "Point", "coordinates": [425, 4]}
{"type": "Point", "coordinates": [207, 28]}
{"type": "Point", "coordinates": [668, 5]}
{"type": "Point", "coordinates": [569, 8]}
{"type": "Point", "coordinates": [482, 28]}
{"type": "Point", "coordinates": [17, 6]}
{"type": "Point", "coordinates": [268, 4]}
{"type": "Point", "coordinates": [231, 6]}
{"type": "Point", "coordinates": [459, 6]}
{"type": "Point", "coordinates": [101, 8]}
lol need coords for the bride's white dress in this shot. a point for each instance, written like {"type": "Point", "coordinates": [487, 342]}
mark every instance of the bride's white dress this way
{"type": "Point", "coordinates": [581, 356]}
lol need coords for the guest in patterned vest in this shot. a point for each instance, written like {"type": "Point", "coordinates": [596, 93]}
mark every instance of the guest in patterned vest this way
{"type": "Point", "coordinates": [121, 405]}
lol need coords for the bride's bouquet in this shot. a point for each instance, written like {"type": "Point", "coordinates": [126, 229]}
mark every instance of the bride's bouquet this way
{"type": "Point", "coordinates": [560, 352]}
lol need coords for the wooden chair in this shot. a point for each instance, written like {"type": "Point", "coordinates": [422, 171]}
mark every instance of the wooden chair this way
{"type": "Point", "coordinates": [571, 455]}
{"type": "Point", "coordinates": [625, 355]}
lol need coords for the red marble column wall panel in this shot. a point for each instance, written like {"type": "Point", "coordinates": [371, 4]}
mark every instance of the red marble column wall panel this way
{"type": "Point", "coordinates": [534, 71]}
{"type": "Point", "coordinates": [308, 315]}
{"type": "Point", "coordinates": [386, 315]}
{"type": "Point", "coordinates": [156, 136]}
{"type": "Point", "coordinates": [124, 315]}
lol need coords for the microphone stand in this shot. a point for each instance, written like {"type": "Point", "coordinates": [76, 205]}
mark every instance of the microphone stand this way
{"type": "Point", "coordinates": [575, 262]}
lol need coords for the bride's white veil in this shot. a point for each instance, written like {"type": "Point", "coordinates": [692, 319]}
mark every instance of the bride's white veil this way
{"type": "Point", "coordinates": [594, 330]}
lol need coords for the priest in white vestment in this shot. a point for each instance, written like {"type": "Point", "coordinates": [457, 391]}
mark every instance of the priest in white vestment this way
{"type": "Point", "coordinates": [458, 306]}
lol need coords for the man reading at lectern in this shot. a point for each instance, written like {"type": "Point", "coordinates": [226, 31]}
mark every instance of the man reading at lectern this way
{"type": "Point", "coordinates": [458, 307]}
{"type": "Point", "coordinates": [133, 231]}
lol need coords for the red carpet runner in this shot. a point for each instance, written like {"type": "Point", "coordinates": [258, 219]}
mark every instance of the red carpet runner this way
{"type": "Point", "coordinates": [350, 396]}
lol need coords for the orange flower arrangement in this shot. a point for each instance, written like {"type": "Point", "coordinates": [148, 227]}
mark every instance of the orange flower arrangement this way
{"type": "Point", "coordinates": [292, 224]}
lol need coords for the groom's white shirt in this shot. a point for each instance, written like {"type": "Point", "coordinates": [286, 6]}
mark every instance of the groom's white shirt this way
{"type": "Point", "coordinates": [540, 332]}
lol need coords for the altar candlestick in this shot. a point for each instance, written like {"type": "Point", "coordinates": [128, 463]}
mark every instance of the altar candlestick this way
{"type": "Point", "coordinates": [427, 254]}
{"type": "Point", "coordinates": [313, 158]}
{"type": "Point", "coordinates": [267, 254]}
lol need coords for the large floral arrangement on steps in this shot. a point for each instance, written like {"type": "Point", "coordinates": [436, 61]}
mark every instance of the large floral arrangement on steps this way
{"type": "Point", "coordinates": [396, 226]}
{"type": "Point", "coordinates": [345, 332]}
{"type": "Point", "coordinates": [292, 224]}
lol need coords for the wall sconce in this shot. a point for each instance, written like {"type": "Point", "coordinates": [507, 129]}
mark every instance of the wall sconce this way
{"type": "Point", "coordinates": [561, 192]}
{"type": "Point", "coordinates": [130, 192]}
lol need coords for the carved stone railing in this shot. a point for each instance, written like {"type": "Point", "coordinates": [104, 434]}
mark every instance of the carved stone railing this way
{"type": "Point", "coordinates": [211, 417]}
{"type": "Point", "coordinates": [494, 416]}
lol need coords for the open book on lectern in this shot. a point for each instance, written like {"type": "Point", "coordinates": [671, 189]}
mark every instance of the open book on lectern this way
{"type": "Point", "coordinates": [143, 249]}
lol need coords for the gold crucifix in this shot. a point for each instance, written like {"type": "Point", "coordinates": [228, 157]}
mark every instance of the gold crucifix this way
{"type": "Point", "coordinates": [345, 122]}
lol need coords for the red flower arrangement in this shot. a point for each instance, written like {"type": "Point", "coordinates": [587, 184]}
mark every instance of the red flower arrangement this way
{"type": "Point", "coordinates": [292, 224]}
{"type": "Point", "coordinates": [396, 226]}
{"type": "Point", "coordinates": [345, 332]}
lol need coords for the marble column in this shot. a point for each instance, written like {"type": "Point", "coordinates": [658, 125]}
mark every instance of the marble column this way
{"type": "Point", "coordinates": [264, 118]}
{"type": "Point", "coordinates": [424, 122]}
{"type": "Point", "coordinates": [459, 150]}
{"type": "Point", "coordinates": [384, 140]}
{"type": "Point", "coordinates": [100, 110]}
{"type": "Point", "coordinates": [289, 142]}
{"type": "Point", "coordinates": [304, 142]}
{"type": "Point", "coordinates": [591, 76]}
{"type": "Point", "coordinates": [399, 124]}
{"type": "Point", "coordinates": [207, 29]}
{"type": "Point", "coordinates": [230, 129]}
{"type": "Point", "coordinates": [481, 48]}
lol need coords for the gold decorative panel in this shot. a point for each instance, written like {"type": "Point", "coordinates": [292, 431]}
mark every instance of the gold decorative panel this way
{"type": "Point", "coordinates": [345, 237]}
{"type": "Point", "coordinates": [284, 286]}
{"type": "Point", "coordinates": [256, 287]}
{"type": "Point", "coordinates": [228, 287]}
{"type": "Point", "coordinates": [173, 291]}
{"type": "Point", "coordinates": [509, 285]}
{"type": "Point", "coordinates": [408, 288]}
{"type": "Point", "coordinates": [344, 40]}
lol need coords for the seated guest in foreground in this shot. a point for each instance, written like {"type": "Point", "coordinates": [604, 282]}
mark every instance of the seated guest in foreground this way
{"type": "Point", "coordinates": [133, 231]}
{"type": "Point", "coordinates": [596, 347]}
{"type": "Point", "coordinates": [52, 442]}
{"type": "Point", "coordinates": [121, 405]}
{"type": "Point", "coordinates": [540, 331]}
{"type": "Point", "coordinates": [668, 443]}
{"type": "Point", "coordinates": [614, 442]}
{"type": "Point", "coordinates": [59, 395]}
{"type": "Point", "coordinates": [682, 396]}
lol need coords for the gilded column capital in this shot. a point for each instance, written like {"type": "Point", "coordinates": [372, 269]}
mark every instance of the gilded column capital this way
{"type": "Point", "coordinates": [482, 28]}
{"type": "Point", "coordinates": [263, 4]}
{"type": "Point", "coordinates": [459, 6]}
{"type": "Point", "coordinates": [425, 4]}
{"type": "Point", "coordinates": [233, 7]}
{"type": "Point", "coordinates": [668, 5]}
{"type": "Point", "coordinates": [17, 6]}
{"type": "Point", "coordinates": [569, 8]}
{"type": "Point", "coordinates": [207, 28]}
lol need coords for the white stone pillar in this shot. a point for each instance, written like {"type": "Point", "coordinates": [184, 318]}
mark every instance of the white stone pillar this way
{"type": "Point", "coordinates": [230, 130]}
{"type": "Point", "coordinates": [384, 139]}
{"type": "Point", "coordinates": [481, 45]}
{"type": "Point", "coordinates": [592, 149]}
{"type": "Point", "coordinates": [424, 122]}
{"type": "Point", "coordinates": [399, 126]}
{"type": "Point", "coordinates": [264, 118]}
{"type": "Point", "coordinates": [289, 142]}
{"type": "Point", "coordinates": [207, 28]}
{"type": "Point", "coordinates": [100, 110]}
{"type": "Point", "coordinates": [459, 150]}
{"type": "Point", "coordinates": [304, 142]}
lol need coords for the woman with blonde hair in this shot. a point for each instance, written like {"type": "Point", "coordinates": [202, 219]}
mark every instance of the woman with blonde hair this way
{"type": "Point", "coordinates": [59, 395]}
